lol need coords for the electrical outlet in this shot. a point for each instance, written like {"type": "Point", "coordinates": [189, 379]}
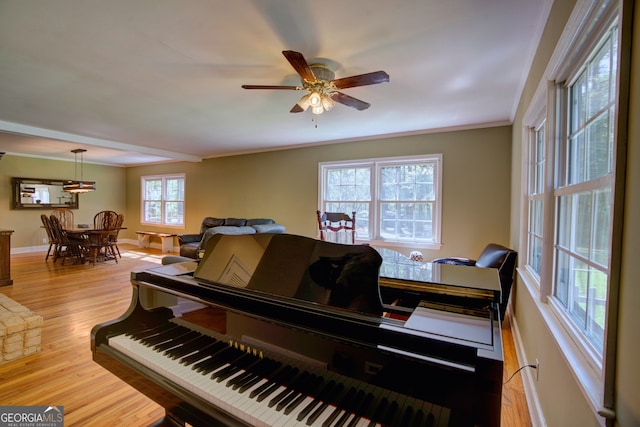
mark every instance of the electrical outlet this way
{"type": "Point", "coordinates": [537, 369]}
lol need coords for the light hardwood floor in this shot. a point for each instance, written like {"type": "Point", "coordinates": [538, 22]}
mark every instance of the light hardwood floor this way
{"type": "Point", "coordinates": [74, 298]}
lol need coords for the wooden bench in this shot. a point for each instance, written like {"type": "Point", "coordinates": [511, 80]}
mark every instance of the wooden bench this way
{"type": "Point", "coordinates": [144, 239]}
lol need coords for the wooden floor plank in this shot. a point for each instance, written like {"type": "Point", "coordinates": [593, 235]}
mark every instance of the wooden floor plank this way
{"type": "Point", "coordinates": [74, 298]}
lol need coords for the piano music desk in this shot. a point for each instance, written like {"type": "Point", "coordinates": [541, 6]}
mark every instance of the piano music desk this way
{"type": "Point", "coordinates": [166, 239]}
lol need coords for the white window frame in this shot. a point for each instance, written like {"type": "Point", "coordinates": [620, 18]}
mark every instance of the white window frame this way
{"type": "Point", "coordinates": [372, 234]}
{"type": "Point", "coordinates": [536, 176]}
{"type": "Point", "coordinates": [587, 27]}
{"type": "Point", "coordinates": [163, 201]}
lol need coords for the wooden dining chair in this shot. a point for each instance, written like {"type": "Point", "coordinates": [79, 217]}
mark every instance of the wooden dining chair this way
{"type": "Point", "coordinates": [67, 247]}
{"type": "Point", "coordinates": [337, 227]}
{"type": "Point", "coordinates": [105, 220]}
{"type": "Point", "coordinates": [65, 216]}
{"type": "Point", "coordinates": [100, 244]}
{"type": "Point", "coordinates": [113, 238]}
{"type": "Point", "coordinates": [46, 223]}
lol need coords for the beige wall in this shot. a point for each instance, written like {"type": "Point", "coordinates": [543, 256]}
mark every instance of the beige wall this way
{"type": "Point", "coordinates": [283, 185]}
{"type": "Point", "coordinates": [561, 399]}
{"type": "Point", "coordinates": [110, 194]}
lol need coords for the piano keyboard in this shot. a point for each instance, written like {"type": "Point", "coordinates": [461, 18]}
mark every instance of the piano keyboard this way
{"type": "Point", "coordinates": [266, 390]}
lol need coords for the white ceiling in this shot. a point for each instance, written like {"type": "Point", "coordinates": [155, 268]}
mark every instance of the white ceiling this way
{"type": "Point", "coordinates": [141, 81]}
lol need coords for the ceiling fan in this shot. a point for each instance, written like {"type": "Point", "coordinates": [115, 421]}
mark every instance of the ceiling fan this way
{"type": "Point", "coordinates": [322, 85]}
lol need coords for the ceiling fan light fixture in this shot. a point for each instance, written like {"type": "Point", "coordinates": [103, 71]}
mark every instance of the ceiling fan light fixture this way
{"type": "Point", "coordinates": [327, 102]}
{"type": "Point", "coordinates": [322, 85]}
{"type": "Point", "coordinates": [315, 99]}
{"type": "Point", "coordinates": [304, 102]}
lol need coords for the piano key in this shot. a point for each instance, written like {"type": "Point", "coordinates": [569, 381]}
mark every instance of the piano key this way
{"type": "Point", "coordinates": [283, 375]}
{"type": "Point", "coordinates": [176, 341]}
{"type": "Point", "coordinates": [206, 352]}
{"type": "Point", "coordinates": [340, 405]}
{"type": "Point", "coordinates": [350, 408]}
{"type": "Point", "coordinates": [216, 360]}
{"type": "Point", "coordinates": [259, 369]}
{"type": "Point", "coordinates": [325, 403]}
{"type": "Point", "coordinates": [379, 411]}
{"type": "Point", "coordinates": [189, 347]}
{"type": "Point", "coordinates": [418, 418]}
{"type": "Point", "coordinates": [445, 414]}
{"type": "Point", "coordinates": [362, 410]}
{"type": "Point", "coordinates": [346, 408]}
{"type": "Point", "coordinates": [393, 414]}
{"type": "Point", "coordinates": [198, 383]}
{"type": "Point", "coordinates": [267, 371]}
{"type": "Point", "coordinates": [288, 415]}
{"type": "Point", "coordinates": [269, 387]}
{"type": "Point", "coordinates": [162, 336]}
{"type": "Point", "coordinates": [412, 407]}
{"type": "Point", "coordinates": [297, 388]}
{"type": "Point", "coordinates": [271, 412]}
{"type": "Point", "coordinates": [283, 383]}
{"type": "Point", "coordinates": [148, 331]}
{"type": "Point", "coordinates": [240, 362]}
{"type": "Point", "coordinates": [285, 396]}
{"type": "Point", "coordinates": [308, 390]}
{"type": "Point", "coordinates": [304, 413]}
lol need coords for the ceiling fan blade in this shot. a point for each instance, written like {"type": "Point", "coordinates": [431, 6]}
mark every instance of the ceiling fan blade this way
{"type": "Point", "coordinates": [350, 101]}
{"type": "Point", "coordinates": [297, 61]}
{"type": "Point", "coordinates": [361, 80]}
{"type": "Point", "coordinates": [296, 109]}
{"type": "Point", "coordinates": [271, 87]}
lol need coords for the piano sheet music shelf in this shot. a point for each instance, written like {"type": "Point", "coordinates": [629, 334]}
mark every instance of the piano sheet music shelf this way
{"type": "Point", "coordinates": [286, 312]}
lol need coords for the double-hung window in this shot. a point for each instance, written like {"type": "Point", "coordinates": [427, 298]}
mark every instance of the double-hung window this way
{"type": "Point", "coordinates": [583, 193]}
{"type": "Point", "coordinates": [397, 200]}
{"type": "Point", "coordinates": [570, 176]}
{"type": "Point", "coordinates": [535, 197]}
{"type": "Point", "coordinates": [163, 200]}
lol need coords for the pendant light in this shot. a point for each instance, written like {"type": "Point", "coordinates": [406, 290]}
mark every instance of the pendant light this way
{"type": "Point", "coordinates": [79, 186]}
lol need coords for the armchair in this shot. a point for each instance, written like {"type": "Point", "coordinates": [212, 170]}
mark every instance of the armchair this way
{"type": "Point", "coordinates": [493, 256]}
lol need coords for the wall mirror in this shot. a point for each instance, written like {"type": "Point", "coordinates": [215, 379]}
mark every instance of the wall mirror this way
{"type": "Point", "coordinates": [37, 193]}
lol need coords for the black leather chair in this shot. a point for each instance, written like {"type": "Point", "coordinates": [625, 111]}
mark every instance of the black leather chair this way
{"type": "Point", "coordinates": [493, 256]}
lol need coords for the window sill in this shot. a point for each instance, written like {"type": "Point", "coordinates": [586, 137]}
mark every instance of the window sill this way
{"type": "Point", "coordinates": [411, 246]}
{"type": "Point", "coordinates": [155, 224]}
{"type": "Point", "coordinates": [588, 379]}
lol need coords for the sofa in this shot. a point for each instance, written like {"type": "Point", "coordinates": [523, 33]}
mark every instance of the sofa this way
{"type": "Point", "coordinates": [190, 244]}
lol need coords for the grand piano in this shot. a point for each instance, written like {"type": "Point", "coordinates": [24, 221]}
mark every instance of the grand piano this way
{"type": "Point", "coordinates": [307, 338]}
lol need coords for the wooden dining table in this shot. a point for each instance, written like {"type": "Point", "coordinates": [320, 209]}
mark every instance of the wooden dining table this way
{"type": "Point", "coordinates": [99, 243]}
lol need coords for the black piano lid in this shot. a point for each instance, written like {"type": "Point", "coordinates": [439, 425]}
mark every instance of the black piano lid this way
{"type": "Point", "coordinates": [272, 277]}
{"type": "Point", "coordinates": [401, 273]}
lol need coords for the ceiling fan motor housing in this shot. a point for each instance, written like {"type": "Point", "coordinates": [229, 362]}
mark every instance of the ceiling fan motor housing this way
{"type": "Point", "coordinates": [322, 72]}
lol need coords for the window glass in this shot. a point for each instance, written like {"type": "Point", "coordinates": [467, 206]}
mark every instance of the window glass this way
{"type": "Point", "coordinates": [584, 201]}
{"type": "Point", "coordinates": [163, 200]}
{"type": "Point", "coordinates": [401, 194]}
{"type": "Point", "coordinates": [537, 145]}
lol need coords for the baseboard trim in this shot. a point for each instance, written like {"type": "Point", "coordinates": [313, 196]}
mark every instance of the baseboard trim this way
{"type": "Point", "coordinates": [528, 379]}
